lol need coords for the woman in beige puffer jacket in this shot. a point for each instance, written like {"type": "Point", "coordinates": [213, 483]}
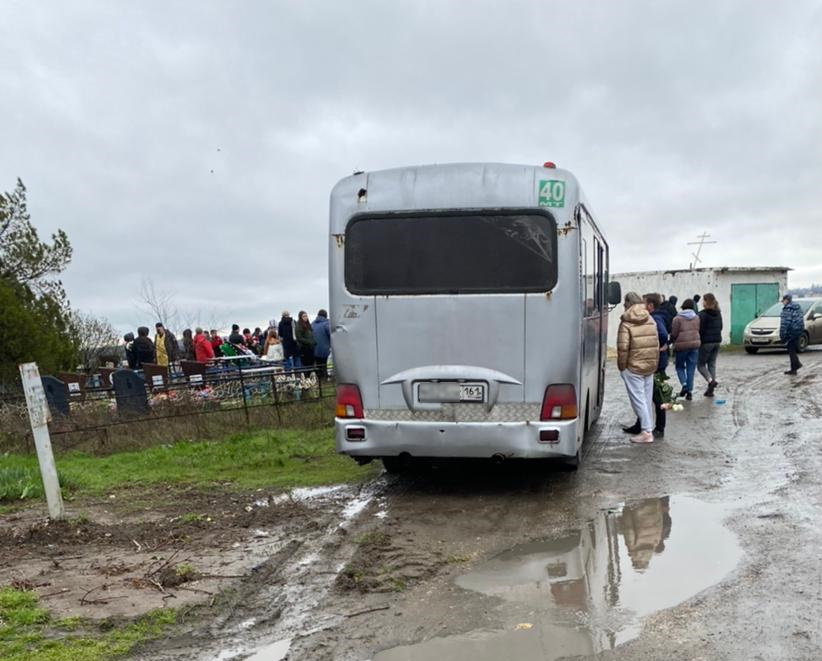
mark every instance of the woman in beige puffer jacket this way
{"type": "Point", "coordinates": [637, 359]}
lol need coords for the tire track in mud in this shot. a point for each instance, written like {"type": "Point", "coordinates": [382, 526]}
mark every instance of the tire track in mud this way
{"type": "Point", "coordinates": [279, 599]}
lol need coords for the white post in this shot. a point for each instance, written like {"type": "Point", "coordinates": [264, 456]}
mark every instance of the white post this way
{"type": "Point", "coordinates": [39, 415]}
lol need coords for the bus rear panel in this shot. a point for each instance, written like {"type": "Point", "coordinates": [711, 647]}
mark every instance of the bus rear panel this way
{"type": "Point", "coordinates": [467, 307]}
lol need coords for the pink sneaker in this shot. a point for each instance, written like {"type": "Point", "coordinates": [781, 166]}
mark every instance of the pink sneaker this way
{"type": "Point", "coordinates": [643, 437]}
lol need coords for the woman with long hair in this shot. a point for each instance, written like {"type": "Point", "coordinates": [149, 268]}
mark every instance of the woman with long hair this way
{"type": "Point", "coordinates": [272, 348]}
{"type": "Point", "coordinates": [188, 345]}
{"type": "Point", "coordinates": [710, 336]}
{"type": "Point", "coordinates": [305, 339]}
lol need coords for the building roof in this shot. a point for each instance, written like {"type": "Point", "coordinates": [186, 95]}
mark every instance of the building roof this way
{"type": "Point", "coordinates": [716, 269]}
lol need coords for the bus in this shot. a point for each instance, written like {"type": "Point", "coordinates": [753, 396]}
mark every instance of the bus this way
{"type": "Point", "coordinates": [469, 309]}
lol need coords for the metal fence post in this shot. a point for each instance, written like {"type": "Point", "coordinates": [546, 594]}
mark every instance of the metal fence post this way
{"type": "Point", "coordinates": [275, 396]}
{"type": "Point", "coordinates": [245, 402]}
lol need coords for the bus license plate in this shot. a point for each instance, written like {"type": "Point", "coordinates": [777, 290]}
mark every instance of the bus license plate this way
{"type": "Point", "coordinates": [450, 392]}
{"type": "Point", "coordinates": [472, 393]}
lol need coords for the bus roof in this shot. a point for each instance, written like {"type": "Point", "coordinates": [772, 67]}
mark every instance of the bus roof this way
{"type": "Point", "coordinates": [453, 186]}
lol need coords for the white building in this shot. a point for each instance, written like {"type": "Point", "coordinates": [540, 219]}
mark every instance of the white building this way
{"type": "Point", "coordinates": [742, 292]}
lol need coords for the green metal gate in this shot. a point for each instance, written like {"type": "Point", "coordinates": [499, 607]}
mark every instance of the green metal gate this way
{"type": "Point", "coordinates": [747, 303]}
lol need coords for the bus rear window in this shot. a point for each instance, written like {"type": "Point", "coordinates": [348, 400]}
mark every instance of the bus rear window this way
{"type": "Point", "coordinates": [477, 252]}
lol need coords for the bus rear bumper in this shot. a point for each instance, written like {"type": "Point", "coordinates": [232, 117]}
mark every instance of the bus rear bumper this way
{"type": "Point", "coordinates": [381, 438]}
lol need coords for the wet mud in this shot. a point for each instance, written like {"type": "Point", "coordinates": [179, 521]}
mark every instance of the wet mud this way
{"type": "Point", "coordinates": [699, 546]}
{"type": "Point", "coordinates": [702, 545]}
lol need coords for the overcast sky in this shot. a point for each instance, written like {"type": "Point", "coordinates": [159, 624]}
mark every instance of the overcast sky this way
{"type": "Point", "coordinates": [196, 143]}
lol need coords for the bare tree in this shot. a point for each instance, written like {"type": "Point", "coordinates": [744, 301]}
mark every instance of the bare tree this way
{"type": "Point", "coordinates": [204, 319]}
{"type": "Point", "coordinates": [159, 303]}
{"type": "Point", "coordinates": [95, 339]}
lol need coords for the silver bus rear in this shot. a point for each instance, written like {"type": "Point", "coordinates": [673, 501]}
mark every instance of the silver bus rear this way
{"type": "Point", "coordinates": [468, 312]}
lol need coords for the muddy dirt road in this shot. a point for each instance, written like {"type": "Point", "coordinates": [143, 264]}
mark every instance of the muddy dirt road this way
{"type": "Point", "coordinates": [704, 545]}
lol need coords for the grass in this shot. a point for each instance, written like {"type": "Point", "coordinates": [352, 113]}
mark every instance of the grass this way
{"type": "Point", "coordinates": [279, 458]}
{"type": "Point", "coordinates": [18, 482]}
{"type": "Point", "coordinates": [28, 633]}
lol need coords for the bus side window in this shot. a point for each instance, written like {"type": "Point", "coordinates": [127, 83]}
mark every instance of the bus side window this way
{"type": "Point", "coordinates": [599, 281]}
{"type": "Point", "coordinates": [587, 293]}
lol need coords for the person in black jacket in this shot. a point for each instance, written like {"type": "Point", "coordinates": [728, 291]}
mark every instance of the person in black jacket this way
{"type": "Point", "coordinates": [710, 335]}
{"type": "Point", "coordinates": [287, 330]}
{"type": "Point", "coordinates": [236, 337]}
{"type": "Point", "coordinates": [128, 339]}
{"type": "Point", "coordinates": [668, 309]}
{"type": "Point", "coordinates": [143, 348]}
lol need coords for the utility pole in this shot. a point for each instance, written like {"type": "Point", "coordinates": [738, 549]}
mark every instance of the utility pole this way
{"type": "Point", "coordinates": [702, 241]}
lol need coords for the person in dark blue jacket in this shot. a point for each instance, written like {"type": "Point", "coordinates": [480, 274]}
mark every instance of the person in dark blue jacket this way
{"type": "Point", "coordinates": [322, 348]}
{"type": "Point", "coordinates": [653, 304]}
{"type": "Point", "coordinates": [668, 309]}
{"type": "Point", "coordinates": [791, 327]}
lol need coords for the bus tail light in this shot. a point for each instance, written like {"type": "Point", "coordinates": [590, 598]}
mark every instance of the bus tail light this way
{"type": "Point", "coordinates": [559, 402]}
{"type": "Point", "coordinates": [349, 401]}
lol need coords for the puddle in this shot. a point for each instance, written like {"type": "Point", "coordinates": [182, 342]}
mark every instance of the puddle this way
{"type": "Point", "coordinates": [308, 493]}
{"type": "Point", "coordinates": [355, 506]}
{"type": "Point", "coordinates": [274, 652]}
{"type": "Point", "coordinates": [588, 592]}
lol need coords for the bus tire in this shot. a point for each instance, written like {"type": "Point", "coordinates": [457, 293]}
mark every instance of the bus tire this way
{"type": "Point", "coordinates": [393, 465]}
{"type": "Point", "coordinates": [573, 463]}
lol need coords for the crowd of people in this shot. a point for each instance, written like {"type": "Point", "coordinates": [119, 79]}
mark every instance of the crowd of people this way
{"type": "Point", "coordinates": [652, 329]}
{"type": "Point", "coordinates": [296, 343]}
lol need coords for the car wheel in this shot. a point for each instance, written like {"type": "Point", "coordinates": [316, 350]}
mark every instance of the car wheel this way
{"type": "Point", "coordinates": [802, 345]}
{"type": "Point", "coordinates": [751, 350]}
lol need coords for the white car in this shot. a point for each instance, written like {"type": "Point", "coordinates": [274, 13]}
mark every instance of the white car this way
{"type": "Point", "coordinates": [763, 332]}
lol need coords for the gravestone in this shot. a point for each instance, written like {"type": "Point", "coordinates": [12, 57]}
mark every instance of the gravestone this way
{"type": "Point", "coordinates": [130, 392]}
{"type": "Point", "coordinates": [56, 395]}
{"type": "Point", "coordinates": [75, 384]}
{"type": "Point", "coordinates": [156, 376]}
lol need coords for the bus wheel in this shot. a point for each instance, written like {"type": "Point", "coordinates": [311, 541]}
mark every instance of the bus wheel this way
{"type": "Point", "coordinates": [572, 463]}
{"type": "Point", "coordinates": [394, 465]}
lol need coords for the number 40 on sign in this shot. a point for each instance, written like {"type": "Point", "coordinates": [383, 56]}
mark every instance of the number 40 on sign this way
{"type": "Point", "coordinates": [551, 193]}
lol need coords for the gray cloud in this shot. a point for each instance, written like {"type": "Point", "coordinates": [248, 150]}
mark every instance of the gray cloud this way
{"type": "Point", "coordinates": [196, 144]}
